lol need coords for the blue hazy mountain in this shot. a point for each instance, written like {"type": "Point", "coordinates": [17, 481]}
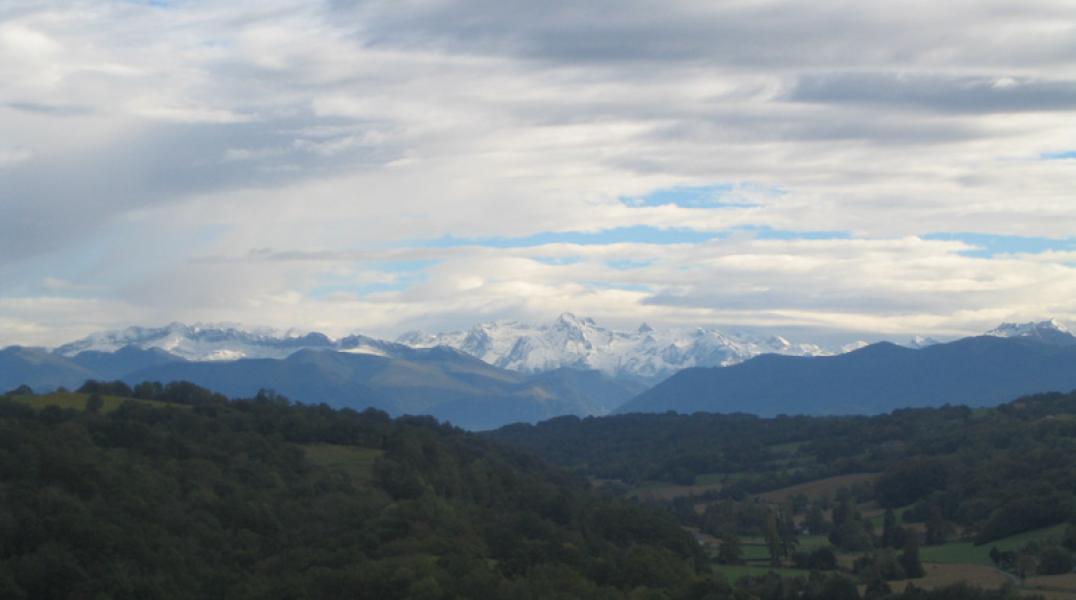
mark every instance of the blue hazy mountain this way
{"type": "Point", "coordinates": [977, 371]}
{"type": "Point", "coordinates": [39, 369]}
{"type": "Point", "coordinates": [442, 382]}
{"type": "Point", "coordinates": [114, 365]}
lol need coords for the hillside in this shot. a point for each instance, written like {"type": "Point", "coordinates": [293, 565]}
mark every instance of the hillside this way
{"type": "Point", "coordinates": [262, 499]}
{"type": "Point", "coordinates": [978, 371]}
{"type": "Point", "coordinates": [984, 495]}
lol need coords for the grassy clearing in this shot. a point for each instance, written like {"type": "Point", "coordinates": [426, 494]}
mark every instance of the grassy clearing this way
{"type": "Point", "coordinates": [77, 401]}
{"type": "Point", "coordinates": [813, 542]}
{"type": "Point", "coordinates": [966, 552]}
{"type": "Point", "coordinates": [752, 552]}
{"type": "Point", "coordinates": [357, 462]}
{"type": "Point", "coordinates": [818, 487]}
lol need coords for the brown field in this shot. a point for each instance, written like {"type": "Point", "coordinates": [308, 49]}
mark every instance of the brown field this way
{"type": "Point", "coordinates": [818, 487]}
{"type": "Point", "coordinates": [941, 575]}
{"type": "Point", "coordinates": [668, 492]}
{"type": "Point", "coordinates": [1062, 584]}
{"type": "Point", "coordinates": [1049, 595]}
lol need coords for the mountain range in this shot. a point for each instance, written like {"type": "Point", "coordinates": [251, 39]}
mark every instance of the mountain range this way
{"type": "Point", "coordinates": [506, 371]}
{"type": "Point", "coordinates": [441, 382]}
{"type": "Point", "coordinates": [645, 355]}
{"type": "Point", "coordinates": [1009, 361]}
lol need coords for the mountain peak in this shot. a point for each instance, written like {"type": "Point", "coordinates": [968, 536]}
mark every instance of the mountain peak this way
{"type": "Point", "coordinates": [1050, 331]}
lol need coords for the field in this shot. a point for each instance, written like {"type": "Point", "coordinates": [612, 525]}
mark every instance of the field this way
{"type": "Point", "coordinates": [356, 462]}
{"type": "Point", "coordinates": [664, 491]}
{"type": "Point", "coordinates": [76, 401]}
{"type": "Point", "coordinates": [818, 487]}
{"type": "Point", "coordinates": [966, 552]}
{"type": "Point", "coordinates": [1062, 586]}
{"type": "Point", "coordinates": [943, 575]}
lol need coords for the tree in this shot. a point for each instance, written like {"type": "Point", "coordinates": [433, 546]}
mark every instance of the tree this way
{"type": "Point", "coordinates": [1026, 565]}
{"type": "Point", "coordinates": [1055, 560]}
{"type": "Point", "coordinates": [94, 404]}
{"type": "Point", "coordinates": [889, 524]}
{"type": "Point", "coordinates": [773, 539]}
{"type": "Point", "coordinates": [937, 529]}
{"type": "Point", "coordinates": [786, 532]}
{"type": "Point", "coordinates": [909, 559]}
{"type": "Point", "coordinates": [816, 521]}
{"type": "Point", "coordinates": [730, 552]}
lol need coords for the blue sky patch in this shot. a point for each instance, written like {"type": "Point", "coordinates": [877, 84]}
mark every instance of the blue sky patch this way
{"type": "Point", "coordinates": [637, 234]}
{"type": "Point", "coordinates": [988, 245]}
{"type": "Point", "coordinates": [707, 196]}
{"type": "Point", "coordinates": [625, 264]}
{"type": "Point", "coordinates": [1066, 155]}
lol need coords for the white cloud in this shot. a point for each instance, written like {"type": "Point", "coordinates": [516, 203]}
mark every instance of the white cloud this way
{"type": "Point", "coordinates": [353, 131]}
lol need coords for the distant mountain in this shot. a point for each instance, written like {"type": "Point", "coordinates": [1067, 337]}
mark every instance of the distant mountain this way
{"type": "Point", "coordinates": [114, 365]}
{"type": "Point", "coordinates": [977, 371]}
{"type": "Point", "coordinates": [438, 381]}
{"type": "Point", "coordinates": [1047, 332]}
{"type": "Point", "coordinates": [39, 369]}
{"type": "Point", "coordinates": [644, 355]}
{"type": "Point", "coordinates": [201, 342]}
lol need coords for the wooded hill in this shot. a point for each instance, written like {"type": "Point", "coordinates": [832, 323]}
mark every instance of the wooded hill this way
{"type": "Point", "coordinates": [174, 492]}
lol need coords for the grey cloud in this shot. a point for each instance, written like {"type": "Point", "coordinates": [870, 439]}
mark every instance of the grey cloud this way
{"type": "Point", "coordinates": [747, 34]}
{"type": "Point", "coordinates": [959, 94]}
{"type": "Point", "coordinates": [54, 110]}
{"type": "Point", "coordinates": [56, 200]}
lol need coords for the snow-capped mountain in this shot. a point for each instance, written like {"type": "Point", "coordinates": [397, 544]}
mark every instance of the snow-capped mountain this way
{"type": "Point", "coordinates": [201, 342]}
{"type": "Point", "coordinates": [919, 341]}
{"type": "Point", "coordinates": [643, 355]}
{"type": "Point", "coordinates": [1049, 332]}
{"type": "Point", "coordinates": [221, 342]}
{"type": "Point", "coordinates": [570, 341]}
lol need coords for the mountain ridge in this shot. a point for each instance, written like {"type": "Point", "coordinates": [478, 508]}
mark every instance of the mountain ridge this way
{"type": "Point", "coordinates": [977, 371]}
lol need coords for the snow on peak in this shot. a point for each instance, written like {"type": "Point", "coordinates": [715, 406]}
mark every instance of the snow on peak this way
{"type": "Point", "coordinates": [201, 341]}
{"type": "Point", "coordinates": [571, 341]}
{"type": "Point", "coordinates": [1049, 330]}
{"type": "Point", "coordinates": [919, 341]}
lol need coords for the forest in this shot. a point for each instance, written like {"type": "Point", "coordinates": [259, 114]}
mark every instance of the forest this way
{"type": "Point", "coordinates": [172, 491]}
{"type": "Point", "coordinates": [864, 495]}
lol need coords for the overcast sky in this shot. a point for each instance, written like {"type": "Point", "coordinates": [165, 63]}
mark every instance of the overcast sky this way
{"type": "Point", "coordinates": [887, 168]}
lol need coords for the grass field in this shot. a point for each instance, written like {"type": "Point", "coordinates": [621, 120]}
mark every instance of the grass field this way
{"type": "Point", "coordinates": [356, 462]}
{"type": "Point", "coordinates": [818, 487]}
{"type": "Point", "coordinates": [966, 552]}
{"type": "Point", "coordinates": [76, 401]}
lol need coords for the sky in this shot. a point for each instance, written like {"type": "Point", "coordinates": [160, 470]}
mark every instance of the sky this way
{"type": "Point", "coordinates": [844, 168]}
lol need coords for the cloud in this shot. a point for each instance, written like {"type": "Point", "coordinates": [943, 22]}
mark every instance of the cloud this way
{"type": "Point", "coordinates": [380, 165]}
{"type": "Point", "coordinates": [939, 93]}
